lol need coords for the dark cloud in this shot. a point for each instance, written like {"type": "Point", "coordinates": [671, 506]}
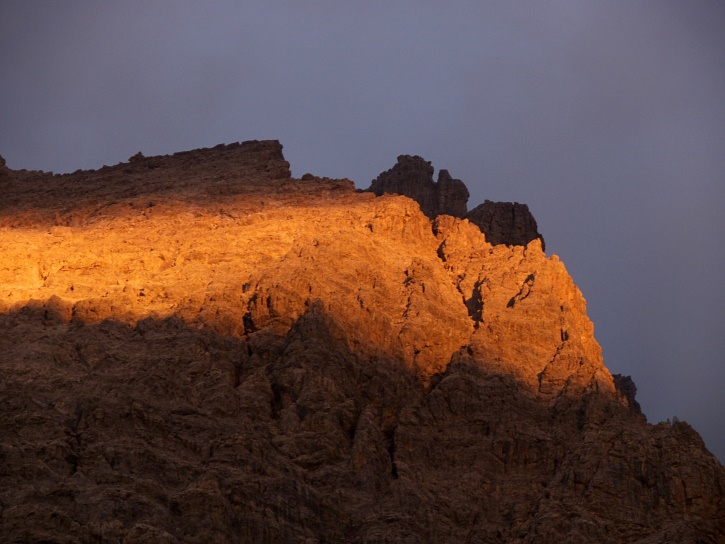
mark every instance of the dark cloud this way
{"type": "Point", "coordinates": [607, 118]}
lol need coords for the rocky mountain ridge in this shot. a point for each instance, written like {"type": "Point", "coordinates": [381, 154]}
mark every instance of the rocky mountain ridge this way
{"type": "Point", "coordinates": [507, 223]}
{"type": "Point", "coordinates": [201, 348]}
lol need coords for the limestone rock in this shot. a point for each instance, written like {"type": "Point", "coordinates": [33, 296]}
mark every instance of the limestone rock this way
{"type": "Point", "coordinates": [208, 350]}
{"type": "Point", "coordinates": [626, 387]}
{"type": "Point", "coordinates": [4, 172]}
{"type": "Point", "coordinates": [412, 176]}
{"type": "Point", "coordinates": [69, 199]}
{"type": "Point", "coordinates": [507, 223]}
{"type": "Point", "coordinates": [452, 195]}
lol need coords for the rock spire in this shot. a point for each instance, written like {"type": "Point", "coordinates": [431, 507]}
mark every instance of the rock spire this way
{"type": "Point", "coordinates": [412, 176]}
{"type": "Point", "coordinates": [508, 223]}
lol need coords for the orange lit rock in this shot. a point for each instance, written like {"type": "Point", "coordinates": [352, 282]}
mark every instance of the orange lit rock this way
{"type": "Point", "coordinates": [200, 348]}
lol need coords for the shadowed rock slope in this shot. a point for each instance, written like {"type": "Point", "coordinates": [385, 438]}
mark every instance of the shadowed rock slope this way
{"type": "Point", "coordinates": [199, 348]}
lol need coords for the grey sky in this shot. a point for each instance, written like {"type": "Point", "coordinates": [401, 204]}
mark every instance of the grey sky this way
{"type": "Point", "coordinates": [607, 118]}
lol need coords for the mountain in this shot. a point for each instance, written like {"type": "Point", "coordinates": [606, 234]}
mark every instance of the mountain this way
{"type": "Point", "coordinates": [200, 348]}
{"type": "Point", "coordinates": [508, 223]}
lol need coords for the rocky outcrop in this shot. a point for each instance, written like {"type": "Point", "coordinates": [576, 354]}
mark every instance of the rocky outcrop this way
{"type": "Point", "coordinates": [412, 176]}
{"type": "Point", "coordinates": [452, 195]}
{"type": "Point", "coordinates": [626, 387]}
{"type": "Point", "coordinates": [4, 170]}
{"type": "Point", "coordinates": [221, 171]}
{"type": "Point", "coordinates": [507, 223]}
{"type": "Point", "coordinates": [247, 357]}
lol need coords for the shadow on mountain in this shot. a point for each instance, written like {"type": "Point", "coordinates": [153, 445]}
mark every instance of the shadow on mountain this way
{"type": "Point", "coordinates": [161, 432]}
{"type": "Point", "coordinates": [243, 175]}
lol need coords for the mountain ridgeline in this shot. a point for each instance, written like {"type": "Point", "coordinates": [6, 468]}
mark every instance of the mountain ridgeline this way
{"type": "Point", "coordinates": [201, 348]}
{"type": "Point", "coordinates": [507, 223]}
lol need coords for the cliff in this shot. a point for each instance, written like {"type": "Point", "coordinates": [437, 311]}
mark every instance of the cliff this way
{"type": "Point", "coordinates": [201, 348]}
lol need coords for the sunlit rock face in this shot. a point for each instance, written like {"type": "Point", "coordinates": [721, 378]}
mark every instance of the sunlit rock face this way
{"type": "Point", "coordinates": [201, 348]}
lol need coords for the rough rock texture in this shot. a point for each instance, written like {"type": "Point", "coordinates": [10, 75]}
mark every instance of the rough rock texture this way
{"type": "Point", "coordinates": [208, 350]}
{"type": "Point", "coordinates": [626, 387]}
{"type": "Point", "coordinates": [507, 223]}
{"type": "Point", "coordinates": [35, 197]}
{"type": "Point", "coordinates": [412, 176]}
{"type": "Point", "coordinates": [4, 172]}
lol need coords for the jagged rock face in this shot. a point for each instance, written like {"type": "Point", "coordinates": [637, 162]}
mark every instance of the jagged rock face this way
{"type": "Point", "coordinates": [535, 300]}
{"type": "Point", "coordinates": [200, 175]}
{"type": "Point", "coordinates": [626, 387]}
{"type": "Point", "coordinates": [507, 223]}
{"type": "Point", "coordinates": [255, 358]}
{"type": "Point", "coordinates": [412, 176]}
{"type": "Point", "coordinates": [3, 172]}
{"type": "Point", "coordinates": [452, 195]}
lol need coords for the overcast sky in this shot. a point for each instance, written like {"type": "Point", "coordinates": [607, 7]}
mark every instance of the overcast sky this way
{"type": "Point", "coordinates": [607, 118]}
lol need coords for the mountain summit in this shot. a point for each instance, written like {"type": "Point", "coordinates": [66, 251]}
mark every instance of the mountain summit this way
{"type": "Point", "coordinates": [508, 223]}
{"type": "Point", "coordinates": [200, 348]}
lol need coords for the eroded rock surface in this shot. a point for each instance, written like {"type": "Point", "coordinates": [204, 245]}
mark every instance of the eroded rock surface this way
{"type": "Point", "coordinates": [208, 350]}
{"type": "Point", "coordinates": [507, 223]}
{"type": "Point", "coordinates": [412, 176]}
